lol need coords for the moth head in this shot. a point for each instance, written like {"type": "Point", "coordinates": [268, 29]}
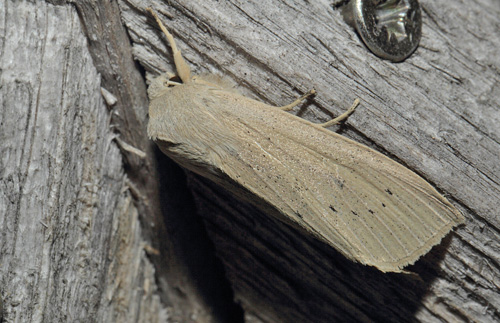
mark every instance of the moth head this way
{"type": "Point", "coordinates": [160, 84]}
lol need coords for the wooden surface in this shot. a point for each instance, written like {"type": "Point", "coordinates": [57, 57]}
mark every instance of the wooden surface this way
{"type": "Point", "coordinates": [92, 234]}
{"type": "Point", "coordinates": [436, 113]}
{"type": "Point", "coordinates": [71, 243]}
{"type": "Point", "coordinates": [84, 237]}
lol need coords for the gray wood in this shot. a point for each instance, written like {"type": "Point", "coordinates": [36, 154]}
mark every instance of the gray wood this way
{"type": "Point", "coordinates": [437, 113]}
{"type": "Point", "coordinates": [84, 236]}
{"type": "Point", "coordinates": [71, 245]}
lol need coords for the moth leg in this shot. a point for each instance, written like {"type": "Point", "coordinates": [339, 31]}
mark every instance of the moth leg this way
{"type": "Point", "coordinates": [298, 101]}
{"type": "Point", "coordinates": [172, 83]}
{"type": "Point", "coordinates": [166, 79]}
{"type": "Point", "coordinates": [341, 117]}
{"type": "Point", "coordinates": [180, 64]}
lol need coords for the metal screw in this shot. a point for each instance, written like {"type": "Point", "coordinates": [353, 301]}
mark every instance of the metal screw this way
{"type": "Point", "coordinates": [391, 29]}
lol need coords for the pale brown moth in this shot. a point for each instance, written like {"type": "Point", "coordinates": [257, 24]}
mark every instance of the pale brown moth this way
{"type": "Point", "coordinates": [368, 207]}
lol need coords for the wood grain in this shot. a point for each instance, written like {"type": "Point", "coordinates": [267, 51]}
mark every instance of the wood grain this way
{"type": "Point", "coordinates": [436, 113]}
{"type": "Point", "coordinates": [71, 244]}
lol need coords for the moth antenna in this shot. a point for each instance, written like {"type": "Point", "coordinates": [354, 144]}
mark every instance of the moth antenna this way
{"type": "Point", "coordinates": [180, 64]}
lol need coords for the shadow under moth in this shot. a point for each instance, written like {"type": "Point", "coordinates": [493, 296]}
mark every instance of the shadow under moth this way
{"type": "Point", "coordinates": [365, 205]}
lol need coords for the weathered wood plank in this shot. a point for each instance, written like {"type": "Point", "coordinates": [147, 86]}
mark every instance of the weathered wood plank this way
{"type": "Point", "coordinates": [85, 237]}
{"type": "Point", "coordinates": [437, 113]}
{"type": "Point", "coordinates": [71, 244]}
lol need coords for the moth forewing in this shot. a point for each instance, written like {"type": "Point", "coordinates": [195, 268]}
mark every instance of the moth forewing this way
{"type": "Point", "coordinates": [368, 207]}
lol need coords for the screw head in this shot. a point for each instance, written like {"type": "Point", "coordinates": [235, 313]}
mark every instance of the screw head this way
{"type": "Point", "coordinates": [391, 29]}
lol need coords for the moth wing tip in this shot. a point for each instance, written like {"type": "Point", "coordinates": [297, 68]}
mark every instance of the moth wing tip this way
{"type": "Point", "coordinates": [399, 265]}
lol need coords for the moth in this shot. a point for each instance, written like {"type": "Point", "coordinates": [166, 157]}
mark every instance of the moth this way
{"type": "Point", "coordinates": [365, 205]}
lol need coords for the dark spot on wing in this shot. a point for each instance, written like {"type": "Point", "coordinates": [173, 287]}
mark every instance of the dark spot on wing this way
{"type": "Point", "coordinates": [339, 183]}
